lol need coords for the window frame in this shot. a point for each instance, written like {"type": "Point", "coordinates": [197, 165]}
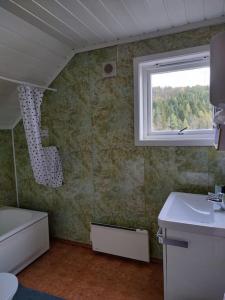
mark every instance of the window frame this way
{"type": "Point", "coordinates": [157, 63]}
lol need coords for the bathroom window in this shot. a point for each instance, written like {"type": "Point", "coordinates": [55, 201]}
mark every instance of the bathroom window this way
{"type": "Point", "coordinates": [172, 105]}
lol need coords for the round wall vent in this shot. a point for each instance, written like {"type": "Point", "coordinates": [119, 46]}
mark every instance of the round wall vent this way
{"type": "Point", "coordinates": [109, 69]}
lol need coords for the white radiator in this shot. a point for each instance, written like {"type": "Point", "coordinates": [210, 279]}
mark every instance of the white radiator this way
{"type": "Point", "coordinates": [131, 243]}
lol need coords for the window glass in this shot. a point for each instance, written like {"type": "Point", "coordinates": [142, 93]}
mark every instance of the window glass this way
{"type": "Point", "coordinates": [180, 99]}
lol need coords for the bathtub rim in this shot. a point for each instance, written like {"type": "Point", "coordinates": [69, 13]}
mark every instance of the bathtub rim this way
{"type": "Point", "coordinates": [36, 217]}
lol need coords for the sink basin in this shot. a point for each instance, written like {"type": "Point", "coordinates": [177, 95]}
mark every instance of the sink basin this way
{"type": "Point", "coordinates": [183, 207]}
{"type": "Point", "coordinates": [191, 212]}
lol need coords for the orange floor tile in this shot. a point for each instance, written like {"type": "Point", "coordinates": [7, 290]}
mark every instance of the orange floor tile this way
{"type": "Point", "coordinates": [77, 273]}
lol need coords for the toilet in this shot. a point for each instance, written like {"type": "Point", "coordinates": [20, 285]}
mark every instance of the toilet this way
{"type": "Point", "coordinates": [8, 286]}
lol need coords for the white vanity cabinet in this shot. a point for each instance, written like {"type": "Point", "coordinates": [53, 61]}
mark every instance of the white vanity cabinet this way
{"type": "Point", "coordinates": [196, 272]}
{"type": "Point", "coordinates": [193, 238]}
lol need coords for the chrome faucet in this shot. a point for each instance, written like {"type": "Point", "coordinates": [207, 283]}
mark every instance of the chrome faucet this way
{"type": "Point", "coordinates": [218, 199]}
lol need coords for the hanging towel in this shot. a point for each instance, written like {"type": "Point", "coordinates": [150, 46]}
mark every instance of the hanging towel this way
{"type": "Point", "coordinates": [47, 170]}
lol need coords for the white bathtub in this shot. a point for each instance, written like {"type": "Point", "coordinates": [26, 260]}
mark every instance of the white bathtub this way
{"type": "Point", "coordinates": [24, 236]}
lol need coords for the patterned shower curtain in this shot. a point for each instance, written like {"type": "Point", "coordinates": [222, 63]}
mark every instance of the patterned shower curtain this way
{"type": "Point", "coordinates": [45, 161]}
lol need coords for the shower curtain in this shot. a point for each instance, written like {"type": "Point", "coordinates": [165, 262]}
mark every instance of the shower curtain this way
{"type": "Point", "coordinates": [45, 161]}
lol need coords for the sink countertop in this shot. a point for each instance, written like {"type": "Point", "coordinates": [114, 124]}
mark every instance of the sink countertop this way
{"type": "Point", "coordinates": [192, 213]}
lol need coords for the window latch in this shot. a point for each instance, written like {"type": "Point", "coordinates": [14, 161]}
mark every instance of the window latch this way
{"type": "Point", "coordinates": [181, 132]}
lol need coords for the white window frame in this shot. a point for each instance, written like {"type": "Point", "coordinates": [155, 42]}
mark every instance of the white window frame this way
{"type": "Point", "coordinates": [169, 61]}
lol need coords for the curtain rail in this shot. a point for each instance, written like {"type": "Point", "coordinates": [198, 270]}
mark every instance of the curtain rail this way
{"type": "Point", "coordinates": [27, 83]}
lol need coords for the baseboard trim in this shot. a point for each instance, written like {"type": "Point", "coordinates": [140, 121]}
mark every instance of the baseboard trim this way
{"type": "Point", "coordinates": [154, 260]}
{"type": "Point", "coordinates": [72, 243]}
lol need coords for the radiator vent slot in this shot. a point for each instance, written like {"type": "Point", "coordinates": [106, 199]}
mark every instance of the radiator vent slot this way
{"type": "Point", "coordinates": [125, 242]}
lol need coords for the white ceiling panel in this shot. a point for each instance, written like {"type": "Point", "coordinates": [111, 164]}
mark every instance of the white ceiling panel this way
{"type": "Point", "coordinates": [47, 17]}
{"type": "Point", "coordinates": [32, 34]}
{"type": "Point", "coordinates": [36, 21]}
{"type": "Point", "coordinates": [118, 9]}
{"type": "Point", "coordinates": [27, 54]}
{"type": "Point", "coordinates": [159, 14]}
{"type": "Point", "coordinates": [74, 24]}
{"type": "Point", "coordinates": [176, 12]}
{"type": "Point", "coordinates": [141, 14]}
{"type": "Point", "coordinates": [194, 10]}
{"type": "Point", "coordinates": [9, 39]}
{"type": "Point", "coordinates": [80, 12]}
{"type": "Point", "coordinates": [38, 37]}
{"type": "Point", "coordinates": [213, 8]}
{"type": "Point", "coordinates": [104, 16]}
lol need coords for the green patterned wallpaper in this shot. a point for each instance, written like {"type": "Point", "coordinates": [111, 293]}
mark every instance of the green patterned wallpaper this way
{"type": "Point", "coordinates": [7, 179]}
{"type": "Point", "coordinates": [107, 178]}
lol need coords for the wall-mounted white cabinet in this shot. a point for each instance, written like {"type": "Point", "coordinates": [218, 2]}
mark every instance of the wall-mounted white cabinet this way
{"type": "Point", "coordinates": [217, 70]}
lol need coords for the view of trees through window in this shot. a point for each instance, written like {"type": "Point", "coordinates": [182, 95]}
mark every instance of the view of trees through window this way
{"type": "Point", "coordinates": [181, 99]}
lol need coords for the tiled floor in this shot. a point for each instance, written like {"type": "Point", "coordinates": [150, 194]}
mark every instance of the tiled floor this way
{"type": "Point", "coordinates": [77, 273]}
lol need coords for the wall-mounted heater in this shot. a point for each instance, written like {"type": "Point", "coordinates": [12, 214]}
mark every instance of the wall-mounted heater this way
{"type": "Point", "coordinates": [126, 242]}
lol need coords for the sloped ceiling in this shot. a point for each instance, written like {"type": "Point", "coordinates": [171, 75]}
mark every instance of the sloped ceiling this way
{"type": "Point", "coordinates": [27, 54]}
{"type": "Point", "coordinates": [38, 37]}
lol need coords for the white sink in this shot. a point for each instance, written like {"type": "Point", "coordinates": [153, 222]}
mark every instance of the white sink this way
{"type": "Point", "coordinates": [191, 212]}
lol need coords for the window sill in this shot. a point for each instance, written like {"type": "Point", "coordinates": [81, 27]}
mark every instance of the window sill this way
{"type": "Point", "coordinates": [173, 141]}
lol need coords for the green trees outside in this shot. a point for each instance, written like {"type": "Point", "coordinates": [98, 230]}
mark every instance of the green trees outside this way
{"type": "Point", "coordinates": [176, 108]}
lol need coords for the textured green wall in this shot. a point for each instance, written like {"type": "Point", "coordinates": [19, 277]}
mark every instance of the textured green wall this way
{"type": "Point", "coordinates": [7, 179]}
{"type": "Point", "coordinates": [107, 178]}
